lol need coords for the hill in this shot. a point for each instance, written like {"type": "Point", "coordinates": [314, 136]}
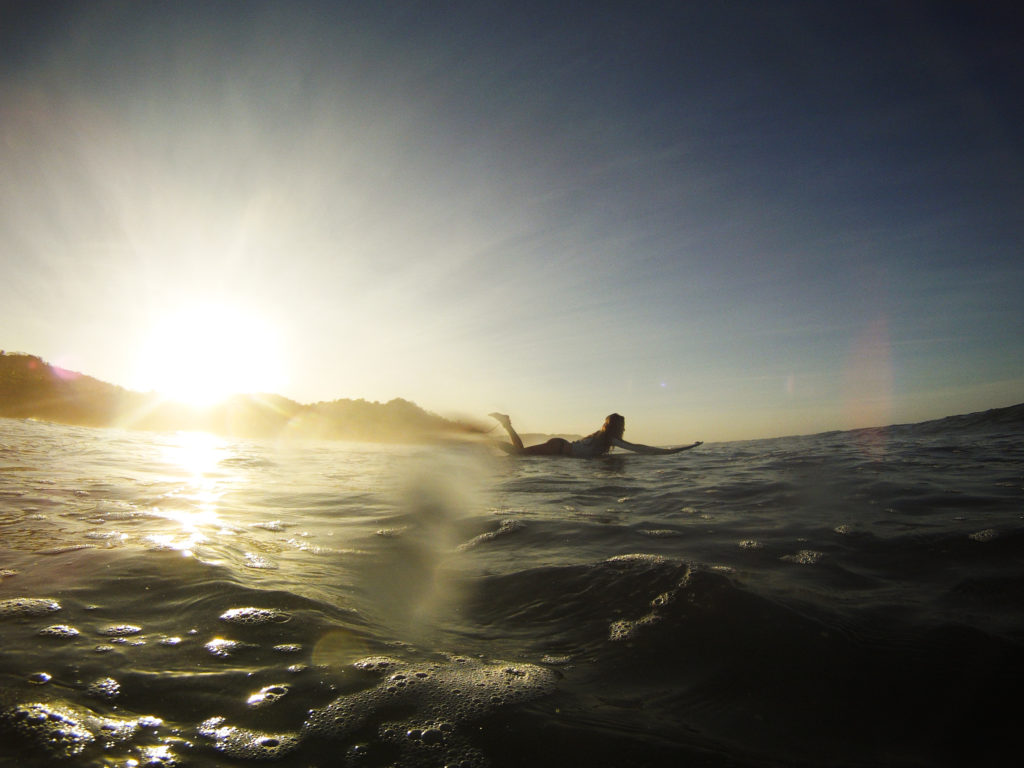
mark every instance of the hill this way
{"type": "Point", "coordinates": [32, 388]}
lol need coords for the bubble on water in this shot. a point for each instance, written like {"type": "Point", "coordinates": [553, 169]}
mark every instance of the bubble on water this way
{"type": "Point", "coordinates": [40, 678]}
{"type": "Point", "coordinates": [267, 695]}
{"type": "Point", "coordinates": [804, 557]}
{"type": "Point", "coordinates": [121, 630]}
{"type": "Point", "coordinates": [983, 536]}
{"type": "Point", "coordinates": [288, 648]}
{"type": "Point", "coordinates": [59, 630]}
{"type": "Point", "coordinates": [556, 660]}
{"type": "Point", "coordinates": [104, 648]}
{"type": "Point", "coordinates": [255, 616]}
{"type": "Point", "coordinates": [58, 731]}
{"type": "Point", "coordinates": [660, 533]}
{"type": "Point", "coordinates": [106, 688]}
{"type": "Point", "coordinates": [27, 606]}
{"type": "Point", "coordinates": [271, 525]}
{"type": "Point", "coordinates": [5, 572]}
{"type": "Point", "coordinates": [224, 648]}
{"type": "Point", "coordinates": [623, 629]}
{"type": "Point", "coordinates": [63, 550]}
{"type": "Point", "coordinates": [244, 744]}
{"type": "Point", "coordinates": [636, 558]}
{"type": "Point", "coordinates": [113, 730]}
{"type": "Point", "coordinates": [170, 641]}
{"type": "Point", "coordinates": [157, 756]}
{"type": "Point", "coordinates": [137, 641]}
{"type": "Point", "coordinates": [843, 529]}
{"type": "Point", "coordinates": [504, 527]}
{"type": "Point", "coordinates": [751, 544]}
{"type": "Point", "coordinates": [376, 663]}
{"type": "Point", "coordinates": [429, 745]}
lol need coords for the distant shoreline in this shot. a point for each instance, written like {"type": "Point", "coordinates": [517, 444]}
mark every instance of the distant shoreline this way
{"type": "Point", "coordinates": [32, 388]}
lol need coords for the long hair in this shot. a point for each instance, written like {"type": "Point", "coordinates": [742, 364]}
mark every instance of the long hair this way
{"type": "Point", "coordinates": [613, 428]}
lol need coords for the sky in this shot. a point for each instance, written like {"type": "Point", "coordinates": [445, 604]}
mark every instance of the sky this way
{"type": "Point", "coordinates": [723, 220]}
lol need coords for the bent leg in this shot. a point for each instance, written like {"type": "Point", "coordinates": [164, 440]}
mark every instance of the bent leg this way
{"type": "Point", "coordinates": [506, 422]}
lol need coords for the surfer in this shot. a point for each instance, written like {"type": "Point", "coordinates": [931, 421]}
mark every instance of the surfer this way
{"type": "Point", "coordinates": [596, 444]}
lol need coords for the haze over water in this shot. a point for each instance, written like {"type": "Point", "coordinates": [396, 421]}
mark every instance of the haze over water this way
{"type": "Point", "coordinates": [847, 598]}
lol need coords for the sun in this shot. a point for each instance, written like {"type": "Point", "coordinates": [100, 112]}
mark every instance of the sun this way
{"type": "Point", "coordinates": [201, 354]}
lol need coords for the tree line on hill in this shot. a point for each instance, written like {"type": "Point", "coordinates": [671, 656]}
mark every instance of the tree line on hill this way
{"type": "Point", "coordinates": [32, 388]}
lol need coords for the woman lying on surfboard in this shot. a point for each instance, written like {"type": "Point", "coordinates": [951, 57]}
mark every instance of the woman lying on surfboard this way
{"type": "Point", "coordinates": [597, 444]}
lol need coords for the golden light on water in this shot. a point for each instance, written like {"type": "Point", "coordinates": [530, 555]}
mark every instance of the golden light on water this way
{"type": "Point", "coordinates": [338, 648]}
{"type": "Point", "coordinates": [198, 454]}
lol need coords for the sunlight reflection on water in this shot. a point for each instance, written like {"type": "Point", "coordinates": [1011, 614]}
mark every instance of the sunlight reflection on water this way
{"type": "Point", "coordinates": [198, 455]}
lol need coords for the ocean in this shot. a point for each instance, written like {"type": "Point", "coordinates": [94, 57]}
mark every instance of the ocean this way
{"type": "Point", "coordinates": [844, 599]}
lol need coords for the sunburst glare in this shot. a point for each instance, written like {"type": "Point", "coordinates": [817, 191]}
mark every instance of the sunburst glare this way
{"type": "Point", "coordinates": [202, 353]}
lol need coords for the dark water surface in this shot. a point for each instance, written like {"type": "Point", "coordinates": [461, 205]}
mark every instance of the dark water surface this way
{"type": "Point", "coordinates": [846, 599]}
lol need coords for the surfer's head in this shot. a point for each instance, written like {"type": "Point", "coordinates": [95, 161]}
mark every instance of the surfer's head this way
{"type": "Point", "coordinates": [614, 426]}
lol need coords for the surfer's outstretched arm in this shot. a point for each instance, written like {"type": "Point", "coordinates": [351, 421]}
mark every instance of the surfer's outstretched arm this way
{"type": "Point", "coordinates": [651, 450]}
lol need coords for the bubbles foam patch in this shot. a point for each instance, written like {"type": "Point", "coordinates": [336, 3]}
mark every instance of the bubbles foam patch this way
{"type": "Point", "coordinates": [267, 695]}
{"type": "Point", "coordinates": [106, 688]}
{"type": "Point", "coordinates": [58, 731]}
{"type": "Point", "coordinates": [255, 616]}
{"type": "Point", "coordinates": [244, 744]}
{"type": "Point", "coordinates": [625, 629]}
{"type": "Point", "coordinates": [984, 536]}
{"type": "Point", "coordinates": [804, 557]}
{"type": "Point", "coordinates": [63, 631]}
{"type": "Point", "coordinates": [636, 558]}
{"type": "Point", "coordinates": [121, 630]}
{"type": "Point", "coordinates": [504, 528]}
{"type": "Point", "coordinates": [27, 606]}
{"type": "Point", "coordinates": [436, 698]}
{"type": "Point", "coordinates": [223, 648]}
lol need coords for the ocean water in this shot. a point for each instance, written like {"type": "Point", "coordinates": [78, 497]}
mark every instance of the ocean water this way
{"type": "Point", "coordinates": [851, 599]}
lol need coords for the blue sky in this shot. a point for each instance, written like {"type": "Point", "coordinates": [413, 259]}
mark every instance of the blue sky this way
{"type": "Point", "coordinates": [723, 220]}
